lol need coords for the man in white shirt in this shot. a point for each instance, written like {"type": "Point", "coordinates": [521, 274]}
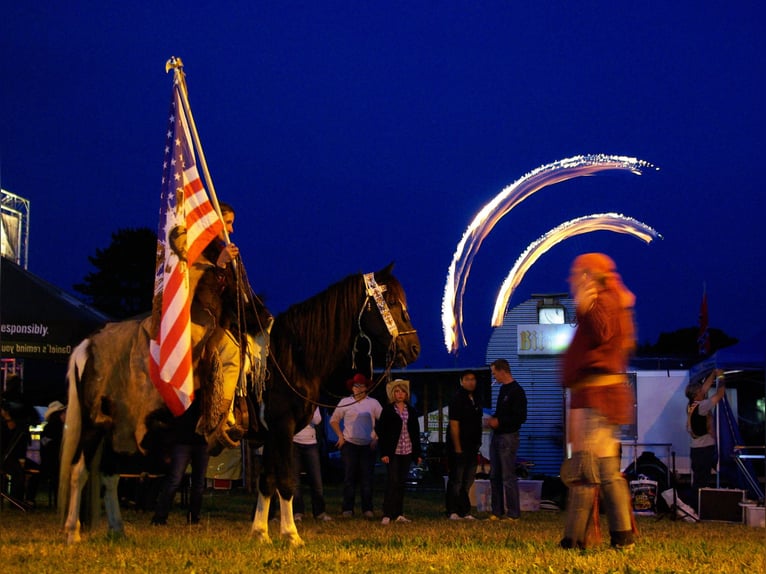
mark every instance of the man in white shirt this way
{"type": "Point", "coordinates": [357, 442]}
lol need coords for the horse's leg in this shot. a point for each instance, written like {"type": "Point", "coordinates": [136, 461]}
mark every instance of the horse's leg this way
{"type": "Point", "coordinates": [282, 460]}
{"type": "Point", "coordinates": [77, 480]}
{"type": "Point", "coordinates": [112, 505]}
{"type": "Point", "coordinates": [287, 524]}
{"type": "Point", "coordinates": [260, 527]}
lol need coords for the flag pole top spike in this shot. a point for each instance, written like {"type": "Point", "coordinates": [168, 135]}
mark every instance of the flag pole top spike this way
{"type": "Point", "coordinates": [173, 64]}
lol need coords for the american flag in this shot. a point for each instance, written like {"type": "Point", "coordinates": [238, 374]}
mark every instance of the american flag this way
{"type": "Point", "coordinates": [188, 222]}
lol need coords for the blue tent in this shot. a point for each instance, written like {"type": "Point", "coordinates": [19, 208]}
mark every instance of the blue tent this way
{"type": "Point", "coordinates": [744, 364]}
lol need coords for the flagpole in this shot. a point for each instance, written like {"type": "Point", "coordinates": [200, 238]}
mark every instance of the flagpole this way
{"type": "Point", "coordinates": [180, 77]}
{"type": "Point", "coordinates": [177, 65]}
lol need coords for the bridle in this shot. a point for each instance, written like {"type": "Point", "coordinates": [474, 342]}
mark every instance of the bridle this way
{"type": "Point", "coordinates": [375, 292]}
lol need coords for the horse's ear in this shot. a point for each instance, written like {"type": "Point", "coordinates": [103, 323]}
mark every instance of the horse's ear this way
{"type": "Point", "coordinates": [387, 271]}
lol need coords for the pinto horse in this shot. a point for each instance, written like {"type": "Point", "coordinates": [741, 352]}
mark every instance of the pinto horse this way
{"type": "Point", "coordinates": [313, 345]}
{"type": "Point", "coordinates": [114, 408]}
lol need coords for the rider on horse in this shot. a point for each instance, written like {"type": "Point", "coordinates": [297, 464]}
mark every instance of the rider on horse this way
{"type": "Point", "coordinates": [224, 309]}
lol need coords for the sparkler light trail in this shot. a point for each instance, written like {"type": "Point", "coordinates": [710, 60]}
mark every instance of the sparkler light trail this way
{"type": "Point", "coordinates": [499, 206]}
{"type": "Point", "coordinates": [595, 222]}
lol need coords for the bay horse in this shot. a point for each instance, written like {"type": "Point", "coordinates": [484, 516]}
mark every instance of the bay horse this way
{"type": "Point", "coordinates": [313, 347]}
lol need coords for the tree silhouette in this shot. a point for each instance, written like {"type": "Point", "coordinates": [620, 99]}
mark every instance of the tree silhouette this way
{"type": "Point", "coordinates": [123, 283]}
{"type": "Point", "coordinates": [683, 343]}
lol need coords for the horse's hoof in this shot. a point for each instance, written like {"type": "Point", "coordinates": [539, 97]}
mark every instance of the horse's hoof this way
{"type": "Point", "coordinates": [73, 538]}
{"type": "Point", "coordinates": [115, 534]}
{"type": "Point", "coordinates": [260, 536]}
{"type": "Point", "coordinates": [295, 540]}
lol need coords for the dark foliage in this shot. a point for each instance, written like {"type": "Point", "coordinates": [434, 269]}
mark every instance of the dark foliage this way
{"type": "Point", "coordinates": [683, 343]}
{"type": "Point", "coordinates": [123, 283]}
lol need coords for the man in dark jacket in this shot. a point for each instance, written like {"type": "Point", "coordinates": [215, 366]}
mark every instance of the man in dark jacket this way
{"type": "Point", "coordinates": [463, 442]}
{"type": "Point", "coordinates": [510, 414]}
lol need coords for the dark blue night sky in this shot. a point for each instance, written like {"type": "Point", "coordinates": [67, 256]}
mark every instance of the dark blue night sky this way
{"type": "Point", "coordinates": [351, 134]}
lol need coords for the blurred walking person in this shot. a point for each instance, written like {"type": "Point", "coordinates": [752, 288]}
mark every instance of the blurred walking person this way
{"type": "Point", "coordinates": [594, 369]}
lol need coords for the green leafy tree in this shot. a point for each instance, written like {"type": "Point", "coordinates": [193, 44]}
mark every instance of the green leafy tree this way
{"type": "Point", "coordinates": [123, 283]}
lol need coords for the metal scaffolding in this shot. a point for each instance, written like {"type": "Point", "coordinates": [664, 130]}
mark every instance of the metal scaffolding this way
{"type": "Point", "coordinates": [14, 223]}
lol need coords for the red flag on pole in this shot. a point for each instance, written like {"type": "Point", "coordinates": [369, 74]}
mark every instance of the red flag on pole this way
{"type": "Point", "coordinates": [188, 222]}
{"type": "Point", "coordinates": [703, 338]}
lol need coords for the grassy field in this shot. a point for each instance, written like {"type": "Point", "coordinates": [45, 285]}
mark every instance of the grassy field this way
{"type": "Point", "coordinates": [34, 542]}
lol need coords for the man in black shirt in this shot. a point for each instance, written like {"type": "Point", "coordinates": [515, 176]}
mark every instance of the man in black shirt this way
{"type": "Point", "coordinates": [463, 442]}
{"type": "Point", "coordinates": [510, 414]}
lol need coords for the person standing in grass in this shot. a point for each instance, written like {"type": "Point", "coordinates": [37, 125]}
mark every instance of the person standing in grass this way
{"type": "Point", "coordinates": [463, 442]}
{"type": "Point", "coordinates": [594, 370]}
{"type": "Point", "coordinates": [398, 433]}
{"type": "Point", "coordinates": [189, 449]}
{"type": "Point", "coordinates": [306, 459]}
{"type": "Point", "coordinates": [510, 414]}
{"type": "Point", "coordinates": [699, 424]}
{"type": "Point", "coordinates": [357, 442]}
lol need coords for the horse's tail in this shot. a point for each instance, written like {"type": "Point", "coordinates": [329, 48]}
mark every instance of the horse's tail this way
{"type": "Point", "coordinates": [70, 442]}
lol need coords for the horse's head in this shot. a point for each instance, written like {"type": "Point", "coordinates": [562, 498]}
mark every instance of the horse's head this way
{"type": "Point", "coordinates": [385, 320]}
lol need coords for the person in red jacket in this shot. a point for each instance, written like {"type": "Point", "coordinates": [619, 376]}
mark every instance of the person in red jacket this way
{"type": "Point", "coordinates": [594, 369]}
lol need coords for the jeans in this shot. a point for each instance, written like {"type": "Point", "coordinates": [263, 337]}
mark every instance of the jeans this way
{"type": "Point", "coordinates": [594, 439]}
{"type": "Point", "coordinates": [703, 461]}
{"type": "Point", "coordinates": [306, 458]}
{"type": "Point", "coordinates": [398, 469]}
{"type": "Point", "coordinates": [182, 455]}
{"type": "Point", "coordinates": [502, 475]}
{"type": "Point", "coordinates": [358, 467]}
{"type": "Point", "coordinates": [462, 473]}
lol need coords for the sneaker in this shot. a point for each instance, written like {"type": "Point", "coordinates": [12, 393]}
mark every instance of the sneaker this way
{"type": "Point", "coordinates": [454, 516]}
{"type": "Point", "coordinates": [402, 518]}
{"type": "Point", "coordinates": [298, 517]}
{"type": "Point", "coordinates": [324, 517]}
{"type": "Point", "coordinates": [469, 517]}
{"type": "Point", "coordinates": [368, 514]}
{"type": "Point", "coordinates": [386, 520]}
{"type": "Point", "coordinates": [347, 513]}
{"type": "Point", "coordinates": [624, 547]}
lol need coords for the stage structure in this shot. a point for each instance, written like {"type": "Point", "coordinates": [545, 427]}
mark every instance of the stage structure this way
{"type": "Point", "coordinates": [14, 223]}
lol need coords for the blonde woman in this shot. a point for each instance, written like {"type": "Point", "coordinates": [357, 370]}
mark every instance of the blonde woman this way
{"type": "Point", "coordinates": [398, 433]}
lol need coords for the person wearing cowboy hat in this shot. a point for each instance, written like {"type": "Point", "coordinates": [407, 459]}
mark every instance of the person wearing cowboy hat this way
{"type": "Point", "coordinates": [357, 442]}
{"type": "Point", "coordinates": [398, 432]}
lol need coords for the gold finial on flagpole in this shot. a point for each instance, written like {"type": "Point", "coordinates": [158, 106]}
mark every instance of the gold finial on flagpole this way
{"type": "Point", "coordinates": [173, 63]}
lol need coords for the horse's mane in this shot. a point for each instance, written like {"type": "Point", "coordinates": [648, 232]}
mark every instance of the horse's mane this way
{"type": "Point", "coordinates": [315, 333]}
